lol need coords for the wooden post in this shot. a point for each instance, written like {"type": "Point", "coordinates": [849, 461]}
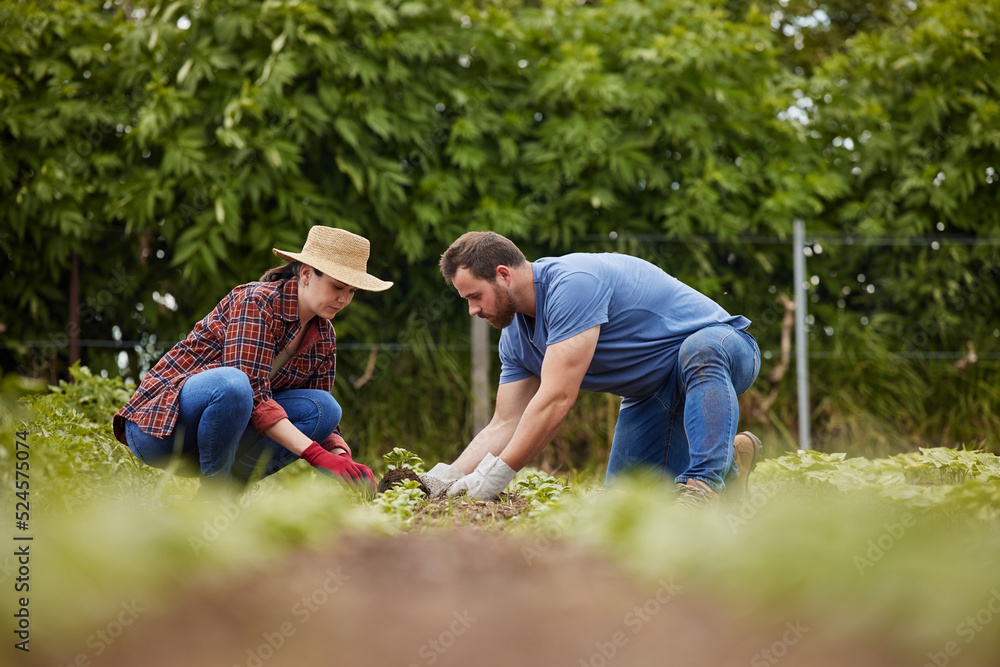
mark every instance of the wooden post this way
{"type": "Point", "coordinates": [480, 335]}
{"type": "Point", "coordinates": [74, 311]}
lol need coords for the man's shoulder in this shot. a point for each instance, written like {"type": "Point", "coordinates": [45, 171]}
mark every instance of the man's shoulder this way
{"type": "Point", "coordinates": [589, 270]}
{"type": "Point", "coordinates": [551, 270]}
{"type": "Point", "coordinates": [594, 263]}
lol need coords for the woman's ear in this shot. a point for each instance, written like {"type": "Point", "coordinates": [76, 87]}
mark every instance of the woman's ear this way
{"type": "Point", "coordinates": [305, 273]}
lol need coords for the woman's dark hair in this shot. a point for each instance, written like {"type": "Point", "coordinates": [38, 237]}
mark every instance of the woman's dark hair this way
{"type": "Point", "coordinates": [284, 272]}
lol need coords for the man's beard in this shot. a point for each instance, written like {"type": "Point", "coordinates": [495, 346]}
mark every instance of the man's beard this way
{"type": "Point", "coordinates": [504, 304]}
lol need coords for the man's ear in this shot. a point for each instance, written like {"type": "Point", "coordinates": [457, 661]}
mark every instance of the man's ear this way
{"type": "Point", "coordinates": [503, 273]}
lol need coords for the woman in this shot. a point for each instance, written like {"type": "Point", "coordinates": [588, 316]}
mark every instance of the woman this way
{"type": "Point", "coordinates": [250, 386]}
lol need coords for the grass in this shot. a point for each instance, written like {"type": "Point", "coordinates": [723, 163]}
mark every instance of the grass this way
{"type": "Point", "coordinates": [903, 546]}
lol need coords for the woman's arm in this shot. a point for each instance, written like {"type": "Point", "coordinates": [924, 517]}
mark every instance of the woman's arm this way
{"type": "Point", "coordinates": [291, 438]}
{"type": "Point", "coordinates": [285, 434]}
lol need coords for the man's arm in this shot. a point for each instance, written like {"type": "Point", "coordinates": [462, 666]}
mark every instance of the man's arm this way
{"type": "Point", "coordinates": [512, 399]}
{"type": "Point", "coordinates": [563, 369]}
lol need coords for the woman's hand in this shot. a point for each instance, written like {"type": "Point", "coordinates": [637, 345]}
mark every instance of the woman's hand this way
{"type": "Point", "coordinates": [335, 444]}
{"type": "Point", "coordinates": [339, 466]}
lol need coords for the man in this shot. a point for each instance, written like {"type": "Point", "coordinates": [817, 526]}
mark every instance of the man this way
{"type": "Point", "coordinates": [604, 322]}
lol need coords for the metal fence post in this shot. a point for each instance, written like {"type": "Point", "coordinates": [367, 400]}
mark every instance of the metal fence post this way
{"type": "Point", "coordinates": [801, 340]}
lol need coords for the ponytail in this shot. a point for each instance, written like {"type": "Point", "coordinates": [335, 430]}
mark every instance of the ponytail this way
{"type": "Point", "coordinates": [285, 272]}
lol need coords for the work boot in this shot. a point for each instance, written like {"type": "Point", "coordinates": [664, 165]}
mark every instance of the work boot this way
{"type": "Point", "coordinates": [695, 494]}
{"type": "Point", "coordinates": [748, 452]}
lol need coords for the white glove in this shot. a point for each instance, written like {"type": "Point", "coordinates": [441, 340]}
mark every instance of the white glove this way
{"type": "Point", "coordinates": [440, 478]}
{"type": "Point", "coordinates": [486, 482]}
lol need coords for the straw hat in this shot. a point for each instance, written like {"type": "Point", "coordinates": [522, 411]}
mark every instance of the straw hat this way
{"type": "Point", "coordinates": [340, 255]}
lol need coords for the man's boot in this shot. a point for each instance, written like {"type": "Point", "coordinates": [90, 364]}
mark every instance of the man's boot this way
{"type": "Point", "coordinates": [695, 494]}
{"type": "Point", "coordinates": [748, 452]}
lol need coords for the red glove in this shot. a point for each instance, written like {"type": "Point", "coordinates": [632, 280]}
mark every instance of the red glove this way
{"type": "Point", "coordinates": [339, 466]}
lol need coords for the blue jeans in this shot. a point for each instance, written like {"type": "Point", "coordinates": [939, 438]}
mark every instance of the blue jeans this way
{"type": "Point", "coordinates": [686, 429]}
{"type": "Point", "coordinates": [213, 428]}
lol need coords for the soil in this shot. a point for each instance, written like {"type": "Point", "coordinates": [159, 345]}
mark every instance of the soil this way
{"type": "Point", "coordinates": [463, 597]}
{"type": "Point", "coordinates": [464, 511]}
{"type": "Point", "coordinates": [397, 476]}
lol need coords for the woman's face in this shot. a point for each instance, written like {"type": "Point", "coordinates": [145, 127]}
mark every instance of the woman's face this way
{"type": "Point", "coordinates": [322, 295]}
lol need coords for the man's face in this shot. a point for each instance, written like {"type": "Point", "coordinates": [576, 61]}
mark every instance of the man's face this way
{"type": "Point", "coordinates": [491, 301]}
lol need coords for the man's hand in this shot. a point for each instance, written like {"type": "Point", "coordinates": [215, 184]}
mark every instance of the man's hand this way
{"type": "Point", "coordinates": [440, 478]}
{"type": "Point", "coordinates": [485, 482]}
{"type": "Point", "coordinates": [341, 467]}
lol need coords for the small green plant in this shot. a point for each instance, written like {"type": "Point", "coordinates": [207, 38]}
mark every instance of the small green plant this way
{"type": "Point", "coordinates": [540, 489]}
{"type": "Point", "coordinates": [402, 458]}
{"type": "Point", "coordinates": [401, 500]}
{"type": "Point", "coordinates": [963, 482]}
{"type": "Point", "coordinates": [97, 398]}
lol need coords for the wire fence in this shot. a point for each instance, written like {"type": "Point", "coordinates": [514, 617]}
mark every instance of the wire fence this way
{"type": "Point", "coordinates": [132, 345]}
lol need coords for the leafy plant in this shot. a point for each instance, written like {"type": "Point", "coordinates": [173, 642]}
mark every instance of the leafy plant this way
{"type": "Point", "coordinates": [96, 398]}
{"type": "Point", "coordinates": [402, 458]}
{"type": "Point", "coordinates": [939, 478]}
{"type": "Point", "coordinates": [401, 500]}
{"type": "Point", "coordinates": [539, 488]}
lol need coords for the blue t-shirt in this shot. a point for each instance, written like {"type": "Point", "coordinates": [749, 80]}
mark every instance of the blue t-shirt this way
{"type": "Point", "coordinates": [644, 313]}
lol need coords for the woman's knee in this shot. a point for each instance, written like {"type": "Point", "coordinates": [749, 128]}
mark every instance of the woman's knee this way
{"type": "Point", "coordinates": [313, 410]}
{"type": "Point", "coordinates": [329, 410]}
{"type": "Point", "coordinates": [231, 382]}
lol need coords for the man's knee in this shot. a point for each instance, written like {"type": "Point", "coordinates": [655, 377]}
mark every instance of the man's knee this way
{"type": "Point", "coordinates": [699, 351]}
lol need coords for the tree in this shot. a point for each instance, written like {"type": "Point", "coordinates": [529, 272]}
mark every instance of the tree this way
{"type": "Point", "coordinates": [185, 140]}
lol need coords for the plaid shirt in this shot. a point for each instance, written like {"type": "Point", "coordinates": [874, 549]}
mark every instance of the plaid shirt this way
{"type": "Point", "coordinates": [244, 331]}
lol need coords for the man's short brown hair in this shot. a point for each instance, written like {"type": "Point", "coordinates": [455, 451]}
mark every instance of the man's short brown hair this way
{"type": "Point", "coordinates": [481, 253]}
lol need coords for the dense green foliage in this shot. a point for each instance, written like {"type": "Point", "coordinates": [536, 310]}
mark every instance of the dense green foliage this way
{"type": "Point", "coordinates": [169, 146]}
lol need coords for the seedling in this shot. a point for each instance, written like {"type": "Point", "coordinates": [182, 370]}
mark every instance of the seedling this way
{"type": "Point", "coordinates": [402, 458]}
{"type": "Point", "coordinates": [401, 500]}
{"type": "Point", "coordinates": [540, 489]}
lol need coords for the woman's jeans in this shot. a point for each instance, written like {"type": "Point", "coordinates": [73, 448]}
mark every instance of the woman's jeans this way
{"type": "Point", "coordinates": [687, 427]}
{"type": "Point", "coordinates": [213, 429]}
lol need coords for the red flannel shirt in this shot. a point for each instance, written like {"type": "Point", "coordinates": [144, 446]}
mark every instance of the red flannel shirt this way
{"type": "Point", "coordinates": [244, 331]}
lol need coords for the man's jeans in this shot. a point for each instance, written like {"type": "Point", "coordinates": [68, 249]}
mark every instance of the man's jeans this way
{"type": "Point", "coordinates": [687, 427]}
{"type": "Point", "coordinates": [213, 427]}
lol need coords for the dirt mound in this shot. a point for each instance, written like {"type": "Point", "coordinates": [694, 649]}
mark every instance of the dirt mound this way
{"type": "Point", "coordinates": [397, 476]}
